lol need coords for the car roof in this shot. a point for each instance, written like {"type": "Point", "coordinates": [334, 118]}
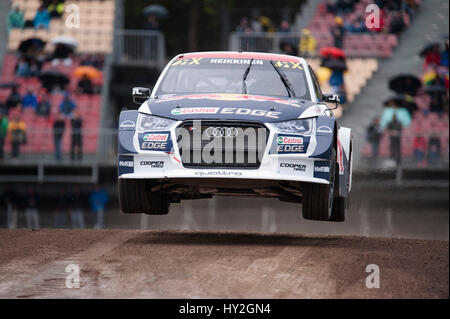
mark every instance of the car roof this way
{"type": "Point", "coordinates": [240, 55]}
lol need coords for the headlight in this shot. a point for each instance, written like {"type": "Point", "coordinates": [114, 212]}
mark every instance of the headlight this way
{"type": "Point", "coordinates": [152, 123]}
{"type": "Point", "coordinates": [295, 126]}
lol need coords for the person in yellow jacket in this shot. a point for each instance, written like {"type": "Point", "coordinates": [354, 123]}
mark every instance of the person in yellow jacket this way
{"type": "Point", "coordinates": [17, 135]}
{"type": "Point", "coordinates": [307, 44]}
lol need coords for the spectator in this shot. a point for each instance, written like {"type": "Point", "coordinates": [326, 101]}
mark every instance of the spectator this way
{"type": "Point", "coordinates": [12, 207]}
{"type": "Point", "coordinates": [393, 107]}
{"type": "Point", "coordinates": [76, 208]}
{"type": "Point", "coordinates": [357, 26]}
{"type": "Point", "coordinates": [98, 200]}
{"type": "Point", "coordinates": [85, 85]}
{"type": "Point", "coordinates": [307, 44]}
{"type": "Point", "coordinates": [42, 18]}
{"type": "Point", "coordinates": [444, 56]}
{"type": "Point", "coordinates": [434, 148]}
{"type": "Point", "coordinates": [61, 209]}
{"type": "Point", "coordinates": [338, 32]}
{"type": "Point", "coordinates": [337, 84]}
{"type": "Point", "coordinates": [58, 131]}
{"type": "Point", "coordinates": [56, 8]}
{"type": "Point", "coordinates": [288, 48]}
{"type": "Point", "coordinates": [43, 106]}
{"type": "Point", "coordinates": [31, 208]}
{"type": "Point", "coordinates": [284, 27]}
{"type": "Point", "coordinates": [420, 147]}
{"type": "Point", "coordinates": [243, 26]}
{"type": "Point", "coordinates": [67, 106]}
{"type": "Point", "coordinates": [34, 68]}
{"type": "Point", "coordinates": [15, 18]}
{"type": "Point", "coordinates": [152, 23]}
{"type": "Point", "coordinates": [23, 68]}
{"type": "Point", "coordinates": [432, 57]}
{"type": "Point", "coordinates": [14, 99]}
{"type": "Point", "coordinates": [374, 133]}
{"type": "Point", "coordinates": [29, 100]}
{"type": "Point", "coordinates": [62, 53]}
{"type": "Point", "coordinates": [397, 24]}
{"type": "Point", "coordinates": [395, 132]}
{"type": "Point", "coordinates": [76, 149]}
{"type": "Point", "coordinates": [17, 135]}
{"type": "Point", "coordinates": [3, 132]}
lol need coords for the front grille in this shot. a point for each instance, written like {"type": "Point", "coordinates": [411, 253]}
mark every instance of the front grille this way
{"type": "Point", "coordinates": [221, 144]}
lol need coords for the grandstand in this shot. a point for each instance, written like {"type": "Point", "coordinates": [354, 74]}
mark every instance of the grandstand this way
{"type": "Point", "coordinates": [94, 36]}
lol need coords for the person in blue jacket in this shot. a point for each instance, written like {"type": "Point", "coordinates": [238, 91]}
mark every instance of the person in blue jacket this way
{"type": "Point", "coordinates": [29, 100]}
{"type": "Point", "coordinates": [98, 200]}
{"type": "Point", "coordinates": [42, 18]}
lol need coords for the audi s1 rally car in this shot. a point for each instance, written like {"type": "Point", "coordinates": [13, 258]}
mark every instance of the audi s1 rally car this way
{"type": "Point", "coordinates": [234, 124]}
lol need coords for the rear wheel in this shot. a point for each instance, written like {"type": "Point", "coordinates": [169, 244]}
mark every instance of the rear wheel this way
{"type": "Point", "coordinates": [318, 198]}
{"type": "Point", "coordinates": [134, 198]}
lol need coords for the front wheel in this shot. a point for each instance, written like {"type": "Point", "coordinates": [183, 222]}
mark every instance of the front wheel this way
{"type": "Point", "coordinates": [318, 198]}
{"type": "Point", "coordinates": [134, 198]}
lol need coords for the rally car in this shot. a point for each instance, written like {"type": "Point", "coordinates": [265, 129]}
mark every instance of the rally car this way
{"type": "Point", "coordinates": [234, 124]}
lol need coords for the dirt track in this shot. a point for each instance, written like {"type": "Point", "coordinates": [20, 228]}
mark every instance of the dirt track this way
{"type": "Point", "coordinates": [151, 264]}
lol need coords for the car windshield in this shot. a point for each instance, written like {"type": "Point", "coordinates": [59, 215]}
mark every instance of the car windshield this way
{"type": "Point", "coordinates": [224, 75]}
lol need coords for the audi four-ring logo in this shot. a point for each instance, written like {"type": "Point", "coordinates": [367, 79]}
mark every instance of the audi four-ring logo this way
{"type": "Point", "coordinates": [230, 132]}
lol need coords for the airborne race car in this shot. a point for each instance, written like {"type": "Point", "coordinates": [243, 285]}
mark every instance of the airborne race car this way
{"type": "Point", "coordinates": [234, 124]}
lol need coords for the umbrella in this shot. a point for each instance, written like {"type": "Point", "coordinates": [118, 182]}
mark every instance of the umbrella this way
{"type": "Point", "coordinates": [156, 10]}
{"type": "Point", "coordinates": [429, 77]}
{"type": "Point", "coordinates": [68, 41]}
{"type": "Point", "coordinates": [428, 48]}
{"type": "Point", "coordinates": [332, 64]}
{"type": "Point", "coordinates": [53, 78]}
{"type": "Point", "coordinates": [87, 70]}
{"type": "Point", "coordinates": [405, 83]}
{"type": "Point", "coordinates": [25, 45]}
{"type": "Point", "coordinates": [333, 52]}
{"type": "Point", "coordinates": [9, 85]}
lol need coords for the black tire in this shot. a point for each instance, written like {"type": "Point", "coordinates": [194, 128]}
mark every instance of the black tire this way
{"type": "Point", "coordinates": [339, 209]}
{"type": "Point", "coordinates": [135, 199]}
{"type": "Point", "coordinates": [318, 198]}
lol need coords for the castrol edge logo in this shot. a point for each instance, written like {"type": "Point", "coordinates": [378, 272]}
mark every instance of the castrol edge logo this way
{"type": "Point", "coordinates": [155, 137]}
{"type": "Point", "coordinates": [290, 140]}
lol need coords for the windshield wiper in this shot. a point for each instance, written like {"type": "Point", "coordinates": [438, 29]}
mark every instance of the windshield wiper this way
{"type": "Point", "coordinates": [244, 85]}
{"type": "Point", "coordinates": [284, 79]}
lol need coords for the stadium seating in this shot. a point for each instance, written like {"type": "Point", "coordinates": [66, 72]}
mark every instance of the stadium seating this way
{"type": "Point", "coordinates": [94, 37]}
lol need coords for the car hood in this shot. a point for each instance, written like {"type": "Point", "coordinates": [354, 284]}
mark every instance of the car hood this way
{"type": "Point", "coordinates": [229, 107]}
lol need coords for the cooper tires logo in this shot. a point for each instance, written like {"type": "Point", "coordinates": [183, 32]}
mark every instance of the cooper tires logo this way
{"type": "Point", "coordinates": [152, 164]}
{"type": "Point", "coordinates": [294, 166]}
{"type": "Point", "coordinates": [227, 132]}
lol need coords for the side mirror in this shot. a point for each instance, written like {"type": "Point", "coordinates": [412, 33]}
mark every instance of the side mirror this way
{"type": "Point", "coordinates": [140, 95]}
{"type": "Point", "coordinates": [331, 98]}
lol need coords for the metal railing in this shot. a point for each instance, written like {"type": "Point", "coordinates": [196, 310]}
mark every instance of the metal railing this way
{"type": "Point", "coordinates": [261, 41]}
{"type": "Point", "coordinates": [139, 47]}
{"type": "Point", "coordinates": [40, 147]}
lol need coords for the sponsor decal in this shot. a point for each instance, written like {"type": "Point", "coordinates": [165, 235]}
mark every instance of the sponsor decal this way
{"type": "Point", "coordinates": [126, 163]}
{"type": "Point", "coordinates": [289, 65]}
{"type": "Point", "coordinates": [290, 149]}
{"type": "Point", "coordinates": [295, 166]}
{"type": "Point", "coordinates": [187, 61]}
{"type": "Point", "coordinates": [229, 97]}
{"type": "Point", "coordinates": [195, 110]}
{"type": "Point", "coordinates": [127, 125]}
{"type": "Point", "coordinates": [152, 164]}
{"type": "Point", "coordinates": [235, 61]}
{"type": "Point", "coordinates": [290, 140]}
{"type": "Point", "coordinates": [322, 170]}
{"type": "Point", "coordinates": [324, 129]}
{"type": "Point", "coordinates": [218, 173]}
{"type": "Point", "coordinates": [155, 137]}
{"type": "Point", "coordinates": [157, 146]}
